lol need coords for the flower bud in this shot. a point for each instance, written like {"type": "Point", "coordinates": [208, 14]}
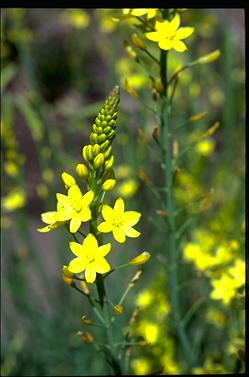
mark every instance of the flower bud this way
{"type": "Point", "coordinates": [99, 160]}
{"type": "Point", "coordinates": [108, 152]}
{"type": "Point", "coordinates": [94, 138]}
{"type": "Point", "coordinates": [84, 287]}
{"type": "Point", "coordinates": [86, 321]}
{"type": "Point", "coordinates": [84, 155]}
{"type": "Point", "coordinates": [82, 170]}
{"type": "Point", "coordinates": [96, 149]}
{"type": "Point", "coordinates": [89, 153]}
{"type": "Point", "coordinates": [68, 180]}
{"type": "Point", "coordinates": [67, 276]}
{"type": "Point", "coordinates": [138, 42]}
{"type": "Point", "coordinates": [107, 130]}
{"type": "Point", "coordinates": [86, 336]}
{"type": "Point", "coordinates": [209, 57]}
{"type": "Point", "coordinates": [104, 146]}
{"type": "Point", "coordinates": [140, 259]}
{"type": "Point", "coordinates": [101, 138]}
{"type": "Point", "coordinates": [130, 89]}
{"type": "Point", "coordinates": [196, 117]}
{"type": "Point", "coordinates": [109, 184]}
{"type": "Point", "coordinates": [109, 163]}
{"type": "Point", "coordinates": [158, 85]}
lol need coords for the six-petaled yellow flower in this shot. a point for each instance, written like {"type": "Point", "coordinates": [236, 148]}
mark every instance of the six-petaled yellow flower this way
{"type": "Point", "coordinates": [89, 258]}
{"type": "Point", "coordinates": [74, 207]}
{"type": "Point", "coordinates": [119, 222]}
{"type": "Point", "coordinates": [169, 35]}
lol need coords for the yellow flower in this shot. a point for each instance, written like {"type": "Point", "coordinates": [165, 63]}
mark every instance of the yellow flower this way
{"type": "Point", "coordinates": [223, 289]}
{"type": "Point", "coordinates": [74, 207]}
{"type": "Point", "coordinates": [137, 12]}
{"type": "Point", "coordinates": [119, 222]}
{"type": "Point", "coordinates": [50, 218]}
{"type": "Point", "coordinates": [89, 258]}
{"type": "Point", "coordinates": [238, 272]}
{"type": "Point", "coordinates": [169, 35]}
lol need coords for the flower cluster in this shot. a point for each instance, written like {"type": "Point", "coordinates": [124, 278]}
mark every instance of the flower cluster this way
{"type": "Point", "coordinates": [76, 207]}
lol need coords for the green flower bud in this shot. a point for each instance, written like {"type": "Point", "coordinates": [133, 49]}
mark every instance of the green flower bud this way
{"type": "Point", "coordinates": [84, 152]}
{"type": "Point", "coordinates": [99, 130]}
{"type": "Point", "coordinates": [82, 170]}
{"type": "Point", "coordinates": [109, 163]}
{"type": "Point", "coordinates": [108, 152]}
{"type": "Point", "coordinates": [102, 138]}
{"type": "Point", "coordinates": [94, 138]}
{"type": "Point", "coordinates": [89, 153]}
{"type": "Point", "coordinates": [99, 160]}
{"type": "Point", "coordinates": [96, 149]}
{"type": "Point", "coordinates": [109, 185]}
{"type": "Point", "coordinates": [107, 129]}
{"type": "Point", "coordinates": [111, 135]}
{"type": "Point", "coordinates": [98, 121]}
{"type": "Point", "coordinates": [108, 117]}
{"type": "Point", "coordinates": [104, 146]}
{"type": "Point", "coordinates": [94, 128]}
{"type": "Point", "coordinates": [104, 124]}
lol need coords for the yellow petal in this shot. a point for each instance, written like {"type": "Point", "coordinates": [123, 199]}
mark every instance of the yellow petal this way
{"type": "Point", "coordinates": [165, 44]}
{"type": "Point", "coordinates": [101, 266]}
{"type": "Point", "coordinates": [130, 232]}
{"type": "Point", "coordinates": [104, 249]}
{"type": "Point", "coordinates": [118, 234]}
{"type": "Point", "coordinates": [75, 223]}
{"type": "Point", "coordinates": [162, 27]}
{"type": "Point", "coordinates": [151, 13]}
{"type": "Point", "coordinates": [175, 23]}
{"type": "Point", "coordinates": [105, 227]}
{"type": "Point", "coordinates": [64, 214]}
{"type": "Point", "coordinates": [90, 275]}
{"type": "Point", "coordinates": [88, 198]}
{"type": "Point", "coordinates": [179, 46]}
{"type": "Point", "coordinates": [184, 32]}
{"type": "Point", "coordinates": [90, 242]}
{"type": "Point", "coordinates": [153, 36]}
{"type": "Point", "coordinates": [48, 217]}
{"type": "Point", "coordinates": [119, 206]}
{"type": "Point", "coordinates": [138, 12]}
{"type": "Point", "coordinates": [76, 248]}
{"type": "Point", "coordinates": [85, 214]}
{"type": "Point", "coordinates": [44, 229]}
{"type": "Point", "coordinates": [74, 194]}
{"type": "Point", "coordinates": [131, 218]}
{"type": "Point", "coordinates": [62, 199]}
{"type": "Point", "coordinates": [107, 212]}
{"type": "Point", "coordinates": [76, 265]}
{"type": "Point", "coordinates": [68, 179]}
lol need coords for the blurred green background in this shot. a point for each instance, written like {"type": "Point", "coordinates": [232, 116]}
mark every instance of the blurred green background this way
{"type": "Point", "coordinates": [58, 65]}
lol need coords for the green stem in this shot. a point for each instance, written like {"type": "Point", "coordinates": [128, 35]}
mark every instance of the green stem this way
{"type": "Point", "coordinates": [173, 262]}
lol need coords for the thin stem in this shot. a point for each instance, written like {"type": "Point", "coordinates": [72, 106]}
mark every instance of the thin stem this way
{"type": "Point", "coordinates": [173, 262]}
{"type": "Point", "coordinates": [151, 56]}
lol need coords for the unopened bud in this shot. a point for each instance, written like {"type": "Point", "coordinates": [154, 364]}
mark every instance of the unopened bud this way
{"type": "Point", "coordinates": [130, 51]}
{"type": "Point", "coordinates": [82, 170]}
{"type": "Point", "coordinates": [84, 155]}
{"type": "Point", "coordinates": [109, 163]}
{"type": "Point", "coordinates": [104, 146]}
{"type": "Point", "coordinates": [94, 138]}
{"type": "Point", "coordinates": [99, 160]}
{"type": "Point", "coordinates": [212, 130]}
{"type": "Point", "coordinates": [118, 309]}
{"type": "Point", "coordinates": [68, 180]}
{"type": "Point", "coordinates": [158, 85]}
{"type": "Point", "coordinates": [109, 184]}
{"type": "Point", "coordinates": [199, 116]}
{"type": "Point", "coordinates": [96, 149]}
{"type": "Point", "coordinates": [209, 57]}
{"type": "Point", "coordinates": [143, 176]}
{"type": "Point", "coordinates": [67, 276]}
{"type": "Point", "coordinates": [140, 259]}
{"type": "Point", "coordinates": [138, 42]}
{"type": "Point", "coordinates": [89, 153]}
{"type": "Point", "coordinates": [108, 152]}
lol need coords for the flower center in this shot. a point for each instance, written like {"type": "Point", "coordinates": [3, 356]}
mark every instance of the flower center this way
{"type": "Point", "coordinates": [117, 221]}
{"type": "Point", "coordinates": [76, 205]}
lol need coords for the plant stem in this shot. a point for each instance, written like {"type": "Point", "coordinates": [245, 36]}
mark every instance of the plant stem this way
{"type": "Point", "coordinates": [173, 262]}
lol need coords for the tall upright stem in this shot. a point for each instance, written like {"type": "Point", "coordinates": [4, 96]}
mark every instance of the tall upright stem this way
{"type": "Point", "coordinates": [172, 254]}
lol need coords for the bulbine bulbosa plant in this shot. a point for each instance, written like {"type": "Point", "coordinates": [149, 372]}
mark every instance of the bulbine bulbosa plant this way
{"type": "Point", "coordinates": [87, 217]}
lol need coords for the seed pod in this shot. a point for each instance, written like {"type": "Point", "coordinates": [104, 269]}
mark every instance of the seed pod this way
{"type": "Point", "coordinates": [99, 160]}
{"type": "Point", "coordinates": [82, 170]}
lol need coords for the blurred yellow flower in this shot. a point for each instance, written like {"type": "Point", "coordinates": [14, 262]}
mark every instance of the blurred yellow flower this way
{"type": "Point", "coordinates": [224, 288]}
{"type": "Point", "coordinates": [137, 12]}
{"type": "Point", "coordinates": [119, 222]}
{"type": "Point", "coordinates": [169, 35]}
{"type": "Point", "coordinates": [11, 168]}
{"type": "Point", "coordinates": [89, 258]}
{"type": "Point", "coordinates": [14, 200]}
{"type": "Point", "coordinates": [76, 17]}
{"type": "Point", "coordinates": [127, 188]}
{"type": "Point", "coordinates": [238, 272]}
{"type": "Point", "coordinates": [140, 366]}
{"type": "Point", "coordinates": [205, 147]}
